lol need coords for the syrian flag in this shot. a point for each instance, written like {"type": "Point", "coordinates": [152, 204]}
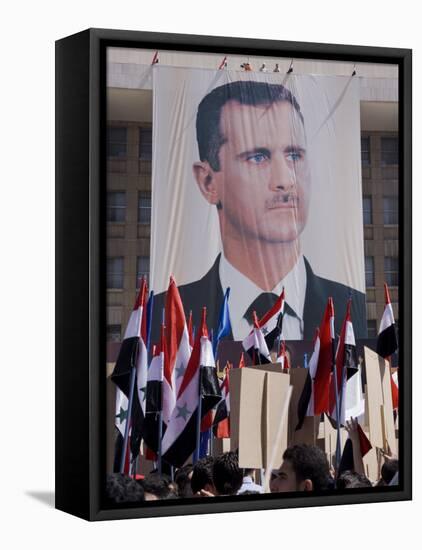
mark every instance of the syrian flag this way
{"type": "Point", "coordinates": [325, 361]}
{"type": "Point", "coordinates": [387, 338]}
{"type": "Point", "coordinates": [258, 349]}
{"type": "Point", "coordinates": [242, 361]}
{"type": "Point", "coordinates": [154, 404]}
{"type": "Point", "coordinates": [349, 384]}
{"type": "Point", "coordinates": [122, 406]}
{"type": "Point", "coordinates": [132, 355]}
{"type": "Point", "coordinates": [347, 462]}
{"type": "Point", "coordinates": [199, 382]}
{"type": "Point", "coordinates": [282, 357]}
{"type": "Point", "coordinates": [222, 415]}
{"type": "Point", "coordinates": [305, 406]}
{"type": "Point", "coordinates": [395, 390]}
{"type": "Point", "coordinates": [178, 349]}
{"type": "Point", "coordinates": [270, 325]}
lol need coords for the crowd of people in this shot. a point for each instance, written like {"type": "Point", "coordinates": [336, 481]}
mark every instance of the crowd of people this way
{"type": "Point", "coordinates": [304, 469]}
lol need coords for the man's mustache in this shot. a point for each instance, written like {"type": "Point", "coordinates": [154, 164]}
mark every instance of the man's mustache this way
{"type": "Point", "coordinates": [282, 198]}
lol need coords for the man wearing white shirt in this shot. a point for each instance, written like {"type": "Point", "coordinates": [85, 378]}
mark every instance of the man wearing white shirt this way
{"type": "Point", "coordinates": [254, 169]}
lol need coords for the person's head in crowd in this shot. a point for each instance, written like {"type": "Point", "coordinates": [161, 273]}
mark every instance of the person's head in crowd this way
{"type": "Point", "coordinates": [158, 487]}
{"type": "Point", "coordinates": [123, 489]}
{"type": "Point", "coordinates": [388, 471]}
{"type": "Point", "coordinates": [352, 480]}
{"type": "Point", "coordinates": [304, 468]}
{"type": "Point", "coordinates": [202, 479]}
{"type": "Point", "coordinates": [226, 473]}
{"type": "Point", "coordinates": [183, 478]}
{"type": "Point", "coordinates": [250, 493]}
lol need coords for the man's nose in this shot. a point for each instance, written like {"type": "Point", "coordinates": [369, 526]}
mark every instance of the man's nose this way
{"type": "Point", "coordinates": [283, 176]}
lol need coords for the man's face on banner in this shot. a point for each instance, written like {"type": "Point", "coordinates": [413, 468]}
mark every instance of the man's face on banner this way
{"type": "Point", "coordinates": [263, 184]}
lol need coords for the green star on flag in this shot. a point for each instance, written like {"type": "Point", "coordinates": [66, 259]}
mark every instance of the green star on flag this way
{"type": "Point", "coordinates": [183, 412]}
{"type": "Point", "coordinates": [144, 391]}
{"type": "Point", "coordinates": [122, 416]}
{"type": "Point", "coordinates": [180, 371]}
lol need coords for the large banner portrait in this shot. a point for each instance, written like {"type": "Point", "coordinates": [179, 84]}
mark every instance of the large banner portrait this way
{"type": "Point", "coordinates": [256, 187]}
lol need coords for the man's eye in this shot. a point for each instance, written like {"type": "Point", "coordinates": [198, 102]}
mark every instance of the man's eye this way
{"type": "Point", "coordinates": [294, 156]}
{"type": "Point", "coordinates": [257, 158]}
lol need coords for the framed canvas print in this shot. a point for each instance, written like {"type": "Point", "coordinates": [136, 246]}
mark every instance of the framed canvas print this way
{"type": "Point", "coordinates": [233, 274]}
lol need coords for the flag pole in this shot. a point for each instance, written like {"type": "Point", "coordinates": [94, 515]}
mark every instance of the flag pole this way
{"type": "Point", "coordinates": [160, 414]}
{"type": "Point", "coordinates": [198, 420]}
{"type": "Point", "coordinates": [338, 444]}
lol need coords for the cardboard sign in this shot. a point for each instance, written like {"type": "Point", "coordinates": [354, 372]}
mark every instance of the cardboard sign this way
{"type": "Point", "coordinates": [257, 395]}
{"type": "Point", "coordinates": [379, 402]}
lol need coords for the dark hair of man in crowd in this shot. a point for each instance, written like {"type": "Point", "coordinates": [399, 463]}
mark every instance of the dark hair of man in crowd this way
{"type": "Point", "coordinates": [389, 470]}
{"type": "Point", "coordinates": [202, 474]}
{"type": "Point", "coordinates": [123, 489]}
{"type": "Point", "coordinates": [249, 92]}
{"type": "Point", "coordinates": [182, 479]}
{"type": "Point", "coordinates": [160, 486]}
{"type": "Point", "coordinates": [227, 475]}
{"type": "Point", "coordinates": [352, 480]}
{"type": "Point", "coordinates": [309, 462]}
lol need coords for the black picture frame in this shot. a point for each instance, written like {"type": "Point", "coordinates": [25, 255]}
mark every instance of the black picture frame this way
{"type": "Point", "coordinates": [80, 272]}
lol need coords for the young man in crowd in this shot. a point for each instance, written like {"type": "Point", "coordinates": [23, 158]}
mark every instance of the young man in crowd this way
{"type": "Point", "coordinates": [304, 468]}
{"type": "Point", "coordinates": [226, 474]}
{"type": "Point", "coordinates": [202, 483]}
{"type": "Point", "coordinates": [248, 483]}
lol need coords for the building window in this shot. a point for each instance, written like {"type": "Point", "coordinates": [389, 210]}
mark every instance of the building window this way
{"type": "Point", "coordinates": [116, 206]}
{"type": "Point", "coordinates": [114, 333]}
{"type": "Point", "coordinates": [367, 210]}
{"type": "Point", "coordinates": [142, 269]}
{"type": "Point", "coordinates": [365, 151]}
{"type": "Point", "coordinates": [391, 271]}
{"type": "Point", "coordinates": [371, 326]}
{"type": "Point", "coordinates": [389, 151]}
{"type": "Point", "coordinates": [144, 207]}
{"type": "Point", "coordinates": [391, 210]}
{"type": "Point", "coordinates": [116, 142]}
{"type": "Point", "coordinates": [115, 272]}
{"type": "Point", "coordinates": [145, 143]}
{"type": "Point", "coordinates": [369, 271]}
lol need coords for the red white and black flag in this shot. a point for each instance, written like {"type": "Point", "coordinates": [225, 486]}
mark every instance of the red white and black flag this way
{"type": "Point", "coordinates": [305, 406]}
{"type": "Point", "coordinates": [321, 385]}
{"type": "Point", "coordinates": [258, 349]}
{"type": "Point", "coordinates": [132, 355]}
{"type": "Point", "coordinates": [154, 404]}
{"type": "Point", "coordinates": [178, 350]}
{"type": "Point", "coordinates": [387, 337]}
{"type": "Point", "coordinates": [349, 385]}
{"type": "Point", "coordinates": [222, 415]}
{"type": "Point", "coordinates": [199, 382]}
{"type": "Point", "coordinates": [282, 356]}
{"type": "Point", "coordinates": [270, 325]}
{"type": "Point", "coordinates": [122, 406]}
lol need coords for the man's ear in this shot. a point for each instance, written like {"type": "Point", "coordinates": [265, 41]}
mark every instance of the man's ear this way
{"type": "Point", "coordinates": [206, 180]}
{"type": "Point", "coordinates": [307, 485]}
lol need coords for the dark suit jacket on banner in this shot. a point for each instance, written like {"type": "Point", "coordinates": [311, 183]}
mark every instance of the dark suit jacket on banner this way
{"type": "Point", "coordinates": [208, 292]}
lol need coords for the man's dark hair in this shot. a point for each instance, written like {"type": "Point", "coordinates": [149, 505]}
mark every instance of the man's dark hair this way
{"type": "Point", "coordinates": [389, 470]}
{"type": "Point", "coordinates": [227, 475]}
{"type": "Point", "coordinates": [202, 474]}
{"type": "Point", "coordinates": [157, 485]}
{"type": "Point", "coordinates": [352, 480]}
{"type": "Point", "coordinates": [309, 462]}
{"type": "Point", "coordinates": [208, 133]}
{"type": "Point", "coordinates": [123, 489]}
{"type": "Point", "coordinates": [183, 482]}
